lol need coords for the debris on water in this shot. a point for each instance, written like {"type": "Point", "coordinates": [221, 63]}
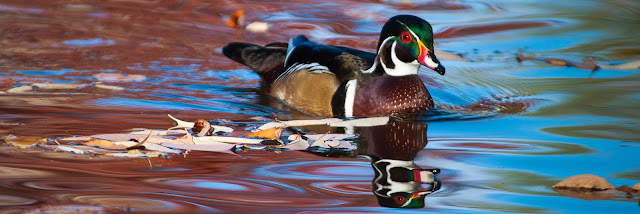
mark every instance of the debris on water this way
{"type": "Point", "coordinates": [584, 182]}
{"type": "Point", "coordinates": [116, 77]}
{"type": "Point", "coordinates": [257, 27]}
{"type": "Point", "coordinates": [23, 142]}
{"type": "Point", "coordinates": [272, 133]}
{"type": "Point", "coordinates": [236, 20]}
{"type": "Point", "coordinates": [145, 143]}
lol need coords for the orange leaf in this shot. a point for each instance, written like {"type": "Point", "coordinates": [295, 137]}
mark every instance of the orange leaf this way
{"type": "Point", "coordinates": [100, 143]}
{"type": "Point", "coordinates": [272, 133]}
{"type": "Point", "coordinates": [235, 20]}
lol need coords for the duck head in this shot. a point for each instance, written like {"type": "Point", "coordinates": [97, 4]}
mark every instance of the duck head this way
{"type": "Point", "coordinates": [405, 42]}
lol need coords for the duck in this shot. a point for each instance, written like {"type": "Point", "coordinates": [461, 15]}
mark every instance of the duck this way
{"type": "Point", "coordinates": [338, 81]}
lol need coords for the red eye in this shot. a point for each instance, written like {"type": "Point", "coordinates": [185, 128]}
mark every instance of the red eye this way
{"type": "Point", "coordinates": [406, 37]}
{"type": "Point", "coordinates": [399, 199]}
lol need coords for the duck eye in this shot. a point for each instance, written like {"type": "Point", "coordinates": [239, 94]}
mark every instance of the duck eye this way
{"type": "Point", "coordinates": [406, 37]}
{"type": "Point", "coordinates": [399, 199]}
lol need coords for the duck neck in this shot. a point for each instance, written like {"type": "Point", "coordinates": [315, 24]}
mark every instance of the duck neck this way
{"type": "Point", "coordinates": [387, 61]}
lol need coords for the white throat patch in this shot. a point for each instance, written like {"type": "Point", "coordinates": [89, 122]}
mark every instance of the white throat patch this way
{"type": "Point", "coordinates": [401, 68]}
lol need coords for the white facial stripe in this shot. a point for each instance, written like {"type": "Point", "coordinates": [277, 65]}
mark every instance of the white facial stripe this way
{"type": "Point", "coordinates": [411, 31]}
{"type": "Point", "coordinates": [375, 62]}
{"type": "Point", "coordinates": [349, 98]}
{"type": "Point", "coordinates": [401, 68]}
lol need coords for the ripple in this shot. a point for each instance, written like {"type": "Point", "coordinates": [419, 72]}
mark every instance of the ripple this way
{"type": "Point", "coordinates": [318, 170]}
{"type": "Point", "coordinates": [128, 203]}
{"type": "Point", "coordinates": [345, 187]}
{"type": "Point", "coordinates": [8, 200]}
{"type": "Point", "coordinates": [507, 146]}
{"type": "Point", "coordinates": [234, 185]}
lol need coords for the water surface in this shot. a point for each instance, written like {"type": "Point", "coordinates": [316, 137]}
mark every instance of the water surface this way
{"type": "Point", "coordinates": [503, 134]}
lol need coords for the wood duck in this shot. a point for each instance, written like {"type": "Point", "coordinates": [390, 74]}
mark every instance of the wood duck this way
{"type": "Point", "coordinates": [344, 82]}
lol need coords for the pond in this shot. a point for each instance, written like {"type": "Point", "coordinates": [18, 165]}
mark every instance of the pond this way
{"type": "Point", "coordinates": [503, 132]}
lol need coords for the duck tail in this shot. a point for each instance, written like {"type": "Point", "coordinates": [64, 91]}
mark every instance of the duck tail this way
{"type": "Point", "coordinates": [262, 60]}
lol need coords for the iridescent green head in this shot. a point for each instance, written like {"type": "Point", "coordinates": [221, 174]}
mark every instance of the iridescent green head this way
{"type": "Point", "coordinates": [406, 41]}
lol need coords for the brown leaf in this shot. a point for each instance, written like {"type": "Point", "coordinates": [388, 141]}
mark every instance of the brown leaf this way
{"type": "Point", "coordinates": [115, 77]}
{"type": "Point", "coordinates": [202, 128]}
{"type": "Point", "coordinates": [236, 20]}
{"type": "Point", "coordinates": [584, 182]}
{"type": "Point", "coordinates": [626, 189]}
{"type": "Point", "coordinates": [636, 186]}
{"type": "Point", "coordinates": [272, 133]}
{"type": "Point", "coordinates": [75, 139]}
{"type": "Point", "coordinates": [23, 141]}
{"type": "Point", "coordinates": [222, 147]}
{"type": "Point", "coordinates": [100, 143]}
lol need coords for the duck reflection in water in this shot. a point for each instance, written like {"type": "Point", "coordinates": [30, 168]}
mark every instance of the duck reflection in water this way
{"type": "Point", "coordinates": [398, 181]}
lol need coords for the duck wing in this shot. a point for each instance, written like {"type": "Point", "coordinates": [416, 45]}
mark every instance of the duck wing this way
{"type": "Point", "coordinates": [343, 62]}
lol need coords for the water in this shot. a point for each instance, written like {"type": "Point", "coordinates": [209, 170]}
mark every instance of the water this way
{"type": "Point", "coordinates": [504, 132]}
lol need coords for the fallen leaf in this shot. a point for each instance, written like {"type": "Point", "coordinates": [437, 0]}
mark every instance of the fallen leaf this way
{"type": "Point", "coordinates": [299, 123]}
{"type": "Point", "coordinates": [636, 186]}
{"type": "Point", "coordinates": [236, 20]}
{"type": "Point", "coordinates": [110, 87]}
{"type": "Point", "coordinates": [181, 124]}
{"type": "Point", "coordinates": [20, 89]}
{"type": "Point", "coordinates": [584, 182]}
{"type": "Point", "coordinates": [333, 144]}
{"type": "Point", "coordinates": [257, 27]}
{"type": "Point", "coordinates": [137, 154]}
{"type": "Point", "coordinates": [329, 136]}
{"type": "Point", "coordinates": [202, 128]}
{"type": "Point", "coordinates": [272, 133]}
{"type": "Point", "coordinates": [23, 141]}
{"type": "Point", "coordinates": [586, 195]}
{"type": "Point", "coordinates": [115, 77]}
{"type": "Point", "coordinates": [623, 66]}
{"type": "Point", "coordinates": [223, 139]}
{"type": "Point", "coordinates": [70, 149]}
{"type": "Point", "coordinates": [626, 189]}
{"type": "Point", "coordinates": [159, 148]}
{"type": "Point", "coordinates": [57, 86]}
{"type": "Point", "coordinates": [298, 144]}
{"type": "Point", "coordinates": [75, 139]}
{"type": "Point", "coordinates": [362, 122]}
{"type": "Point", "coordinates": [221, 147]}
{"type": "Point", "coordinates": [100, 143]}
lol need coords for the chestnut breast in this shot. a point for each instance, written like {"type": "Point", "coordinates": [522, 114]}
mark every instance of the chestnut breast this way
{"type": "Point", "coordinates": [391, 95]}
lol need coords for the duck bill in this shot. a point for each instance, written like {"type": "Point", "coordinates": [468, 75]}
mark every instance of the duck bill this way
{"type": "Point", "coordinates": [428, 58]}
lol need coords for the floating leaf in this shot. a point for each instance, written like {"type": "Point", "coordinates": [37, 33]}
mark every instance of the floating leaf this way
{"type": "Point", "coordinates": [110, 87]}
{"type": "Point", "coordinates": [272, 133]}
{"type": "Point", "coordinates": [636, 187]}
{"type": "Point", "coordinates": [297, 144]}
{"type": "Point", "coordinates": [218, 139]}
{"type": "Point", "coordinates": [74, 139]}
{"type": "Point", "coordinates": [236, 20]}
{"type": "Point", "coordinates": [181, 124]}
{"type": "Point", "coordinates": [115, 77]}
{"type": "Point", "coordinates": [362, 122]}
{"type": "Point", "coordinates": [220, 147]}
{"type": "Point", "coordinates": [585, 182]}
{"type": "Point", "coordinates": [23, 141]}
{"type": "Point", "coordinates": [21, 89]}
{"type": "Point", "coordinates": [70, 149]}
{"type": "Point", "coordinates": [100, 143]}
{"type": "Point", "coordinates": [329, 136]}
{"type": "Point", "coordinates": [159, 148]}
{"type": "Point", "coordinates": [257, 27]}
{"type": "Point", "coordinates": [58, 86]}
{"type": "Point", "coordinates": [299, 123]}
{"type": "Point", "coordinates": [137, 154]}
